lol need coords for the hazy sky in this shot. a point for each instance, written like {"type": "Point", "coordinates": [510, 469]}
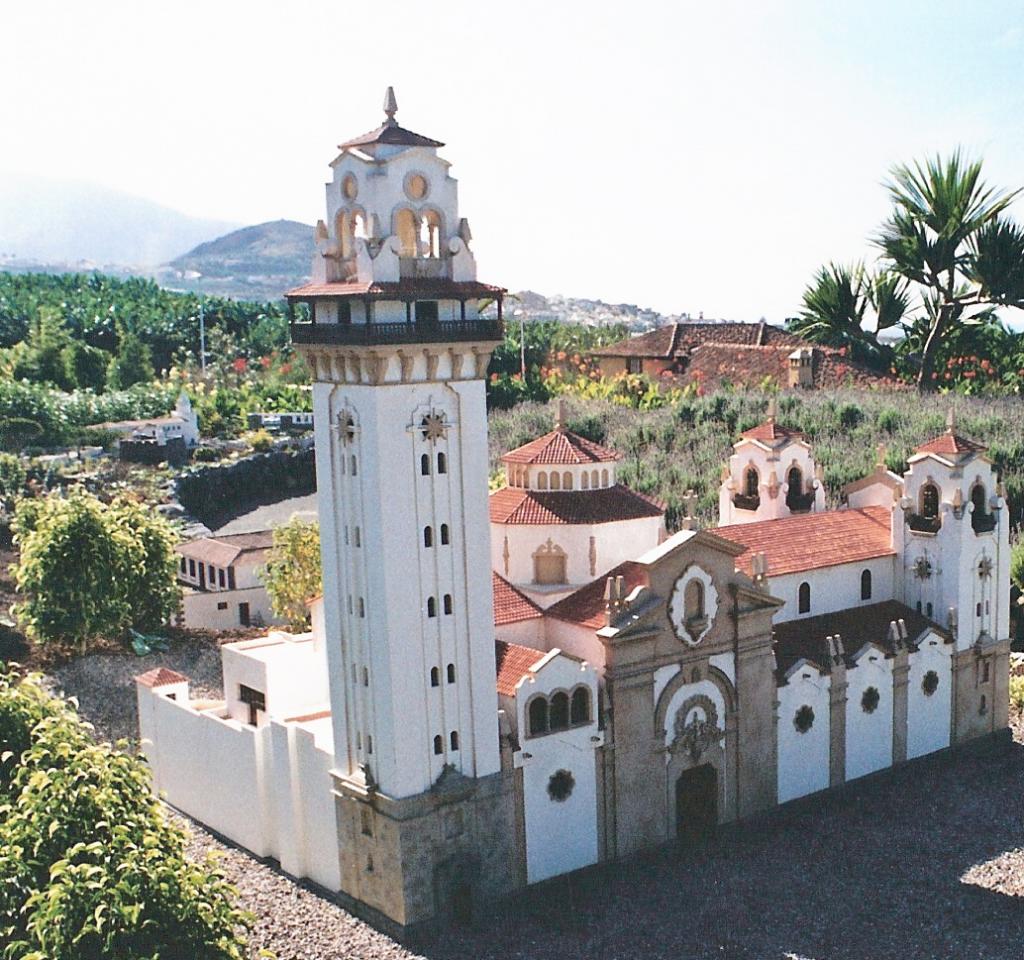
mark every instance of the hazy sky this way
{"type": "Point", "coordinates": [690, 157]}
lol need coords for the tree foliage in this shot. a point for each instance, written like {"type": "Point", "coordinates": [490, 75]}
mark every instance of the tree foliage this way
{"type": "Point", "coordinates": [292, 571]}
{"type": "Point", "coordinates": [89, 569]}
{"type": "Point", "coordinates": [91, 867]}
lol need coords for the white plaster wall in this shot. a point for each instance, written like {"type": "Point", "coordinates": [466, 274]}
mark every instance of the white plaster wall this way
{"type": "Point", "coordinates": [766, 462]}
{"type": "Point", "coordinates": [576, 640]}
{"type": "Point", "coordinates": [834, 588]}
{"type": "Point", "coordinates": [266, 789]}
{"type": "Point", "coordinates": [929, 717]}
{"type": "Point", "coordinates": [201, 609]}
{"type": "Point", "coordinates": [527, 633]}
{"type": "Point", "coordinates": [238, 669]}
{"type": "Point", "coordinates": [560, 835]}
{"type": "Point", "coordinates": [868, 735]}
{"type": "Point", "coordinates": [613, 543]}
{"type": "Point", "coordinates": [803, 757]}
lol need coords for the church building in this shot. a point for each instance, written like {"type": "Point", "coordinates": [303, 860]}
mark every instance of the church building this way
{"type": "Point", "coordinates": [501, 688]}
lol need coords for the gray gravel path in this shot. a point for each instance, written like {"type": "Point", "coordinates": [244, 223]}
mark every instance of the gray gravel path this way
{"type": "Point", "coordinates": [926, 862]}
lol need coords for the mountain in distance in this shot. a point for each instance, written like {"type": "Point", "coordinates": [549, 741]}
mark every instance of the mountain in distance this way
{"type": "Point", "coordinates": [257, 262]}
{"type": "Point", "coordinates": [76, 225]}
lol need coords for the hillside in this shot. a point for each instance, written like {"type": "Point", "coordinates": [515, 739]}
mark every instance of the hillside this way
{"type": "Point", "coordinates": [68, 223]}
{"type": "Point", "coordinates": [258, 261]}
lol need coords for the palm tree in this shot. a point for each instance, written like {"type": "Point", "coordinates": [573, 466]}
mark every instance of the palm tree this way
{"type": "Point", "coordinates": [949, 238]}
{"type": "Point", "coordinates": [839, 302]}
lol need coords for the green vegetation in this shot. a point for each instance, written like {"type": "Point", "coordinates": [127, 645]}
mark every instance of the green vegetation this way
{"type": "Point", "coordinates": [91, 866]}
{"type": "Point", "coordinates": [950, 257]}
{"type": "Point", "coordinates": [683, 444]}
{"type": "Point", "coordinates": [292, 572]}
{"type": "Point", "coordinates": [89, 570]}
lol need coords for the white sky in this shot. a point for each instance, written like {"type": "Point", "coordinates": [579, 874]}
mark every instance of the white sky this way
{"type": "Point", "coordinates": [689, 157]}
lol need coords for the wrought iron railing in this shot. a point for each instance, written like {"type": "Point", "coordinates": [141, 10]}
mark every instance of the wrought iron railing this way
{"type": "Point", "coordinates": [983, 522]}
{"type": "Point", "coordinates": [922, 524]}
{"type": "Point", "coordinates": [372, 334]}
{"type": "Point", "coordinates": [745, 502]}
{"type": "Point", "coordinates": [800, 502]}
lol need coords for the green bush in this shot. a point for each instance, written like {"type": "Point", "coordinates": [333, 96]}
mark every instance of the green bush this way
{"type": "Point", "coordinates": [91, 867]}
{"type": "Point", "coordinates": [1017, 693]}
{"type": "Point", "coordinates": [260, 440]}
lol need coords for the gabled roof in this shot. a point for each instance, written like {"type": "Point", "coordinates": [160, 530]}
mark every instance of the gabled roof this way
{"type": "Point", "coordinates": [514, 505]}
{"type": "Point", "coordinates": [814, 540]}
{"type": "Point", "coordinates": [561, 447]}
{"type": "Point", "coordinates": [223, 551]}
{"type": "Point", "coordinates": [391, 133]}
{"type": "Point", "coordinates": [951, 444]}
{"type": "Point", "coordinates": [804, 639]}
{"type": "Point", "coordinates": [675, 339]}
{"type": "Point", "coordinates": [586, 606]}
{"type": "Point", "coordinates": [512, 663]}
{"type": "Point", "coordinates": [160, 677]}
{"type": "Point", "coordinates": [511, 605]}
{"type": "Point", "coordinates": [771, 432]}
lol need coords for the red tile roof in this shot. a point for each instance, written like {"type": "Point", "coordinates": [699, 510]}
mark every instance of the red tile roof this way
{"type": "Point", "coordinates": [515, 505]}
{"type": "Point", "coordinates": [856, 626]}
{"type": "Point", "coordinates": [813, 540]}
{"type": "Point", "coordinates": [512, 663]}
{"type": "Point", "coordinates": [511, 605]}
{"type": "Point", "coordinates": [951, 444]}
{"type": "Point", "coordinates": [438, 289]}
{"type": "Point", "coordinates": [586, 606]}
{"type": "Point", "coordinates": [160, 677]}
{"type": "Point", "coordinates": [680, 339]}
{"type": "Point", "coordinates": [561, 447]}
{"type": "Point", "coordinates": [770, 431]}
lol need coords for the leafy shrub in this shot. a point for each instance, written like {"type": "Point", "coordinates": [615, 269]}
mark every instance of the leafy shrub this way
{"type": "Point", "coordinates": [91, 866]}
{"type": "Point", "coordinates": [292, 572]}
{"type": "Point", "coordinates": [260, 440]}
{"type": "Point", "coordinates": [12, 477]}
{"type": "Point", "coordinates": [89, 569]}
{"type": "Point", "coordinates": [1017, 693]}
{"type": "Point", "coordinates": [206, 455]}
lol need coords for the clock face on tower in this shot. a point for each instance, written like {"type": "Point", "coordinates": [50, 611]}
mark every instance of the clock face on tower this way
{"type": "Point", "coordinates": [693, 604]}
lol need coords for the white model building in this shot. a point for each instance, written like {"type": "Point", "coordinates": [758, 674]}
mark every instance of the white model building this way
{"type": "Point", "coordinates": [501, 688]}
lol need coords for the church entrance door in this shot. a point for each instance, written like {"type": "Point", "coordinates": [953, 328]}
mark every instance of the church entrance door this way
{"type": "Point", "coordinates": [696, 804]}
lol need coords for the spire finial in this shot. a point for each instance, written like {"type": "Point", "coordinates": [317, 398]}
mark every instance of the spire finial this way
{"type": "Point", "coordinates": [773, 410]}
{"type": "Point", "coordinates": [880, 459]}
{"type": "Point", "coordinates": [951, 420]}
{"type": "Point", "coordinates": [560, 416]}
{"type": "Point", "coordinates": [390, 105]}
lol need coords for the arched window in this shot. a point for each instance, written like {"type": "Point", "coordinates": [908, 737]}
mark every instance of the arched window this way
{"type": "Point", "coordinates": [405, 227]}
{"type": "Point", "coordinates": [594, 480]}
{"type": "Point", "coordinates": [362, 607]}
{"type": "Point", "coordinates": [693, 600]}
{"type": "Point", "coordinates": [558, 715]}
{"type": "Point", "coordinates": [438, 745]}
{"type": "Point", "coordinates": [865, 585]}
{"type": "Point", "coordinates": [549, 564]}
{"type": "Point", "coordinates": [556, 480]}
{"type": "Point", "coordinates": [425, 465]}
{"type": "Point", "coordinates": [451, 673]}
{"type": "Point", "coordinates": [454, 740]}
{"type": "Point", "coordinates": [447, 603]}
{"type": "Point", "coordinates": [538, 712]}
{"type": "Point", "coordinates": [585, 480]}
{"type": "Point", "coordinates": [354, 469]}
{"type": "Point", "coordinates": [435, 677]}
{"type": "Point", "coordinates": [366, 677]}
{"type": "Point", "coordinates": [929, 501]}
{"type": "Point", "coordinates": [442, 463]}
{"type": "Point", "coordinates": [804, 597]}
{"type": "Point", "coordinates": [604, 478]}
{"type": "Point", "coordinates": [795, 480]}
{"type": "Point", "coordinates": [978, 498]}
{"type": "Point", "coordinates": [542, 480]}
{"type": "Point", "coordinates": [580, 706]}
{"type": "Point", "coordinates": [444, 535]}
{"type": "Point", "coordinates": [356, 540]}
{"type": "Point", "coordinates": [430, 233]}
{"type": "Point", "coordinates": [431, 607]}
{"type": "Point", "coordinates": [751, 482]}
{"type": "Point", "coordinates": [567, 480]}
{"type": "Point", "coordinates": [928, 609]}
{"type": "Point", "coordinates": [428, 536]}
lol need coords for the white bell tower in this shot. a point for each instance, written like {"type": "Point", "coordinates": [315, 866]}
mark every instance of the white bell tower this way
{"type": "Point", "coordinates": [398, 351]}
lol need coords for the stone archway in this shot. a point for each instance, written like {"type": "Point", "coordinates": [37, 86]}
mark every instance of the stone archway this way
{"type": "Point", "coordinates": [696, 798]}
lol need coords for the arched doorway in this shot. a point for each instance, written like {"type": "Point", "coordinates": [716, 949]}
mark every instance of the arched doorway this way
{"type": "Point", "coordinates": [696, 804]}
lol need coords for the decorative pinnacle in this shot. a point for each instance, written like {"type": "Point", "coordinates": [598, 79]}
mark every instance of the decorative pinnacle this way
{"type": "Point", "coordinates": [951, 420]}
{"type": "Point", "coordinates": [390, 106]}
{"type": "Point", "coordinates": [773, 410]}
{"type": "Point", "coordinates": [880, 458]}
{"type": "Point", "coordinates": [560, 416]}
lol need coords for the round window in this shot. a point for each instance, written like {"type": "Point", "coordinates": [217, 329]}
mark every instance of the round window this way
{"type": "Point", "coordinates": [804, 719]}
{"type": "Point", "coordinates": [560, 785]}
{"type": "Point", "coordinates": [869, 702]}
{"type": "Point", "coordinates": [416, 186]}
{"type": "Point", "coordinates": [930, 683]}
{"type": "Point", "coordinates": [349, 187]}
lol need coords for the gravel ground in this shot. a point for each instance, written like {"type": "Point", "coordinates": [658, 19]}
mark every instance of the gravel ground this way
{"type": "Point", "coordinates": [925, 862]}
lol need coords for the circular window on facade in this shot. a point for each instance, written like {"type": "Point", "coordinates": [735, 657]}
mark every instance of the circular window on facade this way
{"type": "Point", "coordinates": [560, 785]}
{"type": "Point", "coordinates": [416, 186]}
{"type": "Point", "coordinates": [869, 702]}
{"type": "Point", "coordinates": [930, 683]}
{"type": "Point", "coordinates": [349, 187]}
{"type": "Point", "coordinates": [804, 719]}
